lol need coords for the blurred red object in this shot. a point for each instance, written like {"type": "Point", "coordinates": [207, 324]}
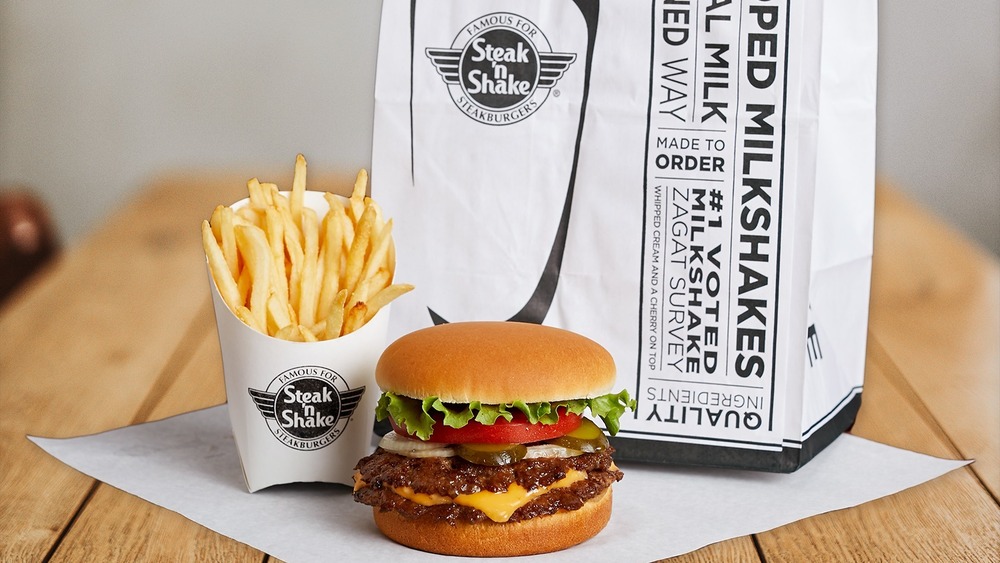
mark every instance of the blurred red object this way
{"type": "Point", "coordinates": [27, 238]}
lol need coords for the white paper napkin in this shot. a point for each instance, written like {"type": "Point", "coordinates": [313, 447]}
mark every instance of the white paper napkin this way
{"type": "Point", "coordinates": [188, 464]}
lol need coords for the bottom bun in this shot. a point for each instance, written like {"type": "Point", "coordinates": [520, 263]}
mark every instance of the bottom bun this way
{"type": "Point", "coordinates": [542, 534]}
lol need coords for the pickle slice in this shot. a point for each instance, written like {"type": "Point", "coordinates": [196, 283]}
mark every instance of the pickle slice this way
{"type": "Point", "coordinates": [587, 438]}
{"type": "Point", "coordinates": [491, 454]}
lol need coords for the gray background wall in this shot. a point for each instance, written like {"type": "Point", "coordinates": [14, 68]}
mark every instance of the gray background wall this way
{"type": "Point", "coordinates": [98, 97]}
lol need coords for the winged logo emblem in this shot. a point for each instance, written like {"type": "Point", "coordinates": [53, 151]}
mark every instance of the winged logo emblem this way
{"type": "Point", "coordinates": [552, 66]}
{"type": "Point", "coordinates": [500, 69]}
{"type": "Point", "coordinates": [348, 402]}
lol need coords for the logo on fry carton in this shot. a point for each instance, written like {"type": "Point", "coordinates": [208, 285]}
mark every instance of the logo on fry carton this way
{"type": "Point", "coordinates": [500, 68]}
{"type": "Point", "coordinates": [307, 407]}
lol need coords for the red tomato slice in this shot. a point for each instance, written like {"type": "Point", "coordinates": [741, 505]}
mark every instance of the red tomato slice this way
{"type": "Point", "coordinates": [516, 431]}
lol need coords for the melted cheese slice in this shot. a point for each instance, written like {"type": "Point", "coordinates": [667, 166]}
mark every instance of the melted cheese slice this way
{"type": "Point", "coordinates": [499, 507]}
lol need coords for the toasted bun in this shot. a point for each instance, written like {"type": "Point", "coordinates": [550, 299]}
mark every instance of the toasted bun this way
{"type": "Point", "coordinates": [494, 363]}
{"type": "Point", "coordinates": [543, 534]}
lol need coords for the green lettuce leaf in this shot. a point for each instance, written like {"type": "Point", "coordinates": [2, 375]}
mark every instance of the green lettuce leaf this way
{"type": "Point", "coordinates": [408, 413]}
{"type": "Point", "coordinates": [417, 416]}
{"type": "Point", "coordinates": [610, 409]}
{"type": "Point", "coordinates": [488, 414]}
{"type": "Point", "coordinates": [455, 415]}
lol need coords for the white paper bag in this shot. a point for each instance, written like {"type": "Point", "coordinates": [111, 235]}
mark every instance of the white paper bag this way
{"type": "Point", "coordinates": [688, 183]}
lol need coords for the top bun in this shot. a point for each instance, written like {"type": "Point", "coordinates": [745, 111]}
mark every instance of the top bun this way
{"type": "Point", "coordinates": [495, 363]}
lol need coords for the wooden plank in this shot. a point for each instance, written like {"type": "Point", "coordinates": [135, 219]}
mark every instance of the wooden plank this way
{"type": "Point", "coordinates": [736, 549]}
{"type": "Point", "coordinates": [116, 526]}
{"type": "Point", "coordinates": [131, 529]}
{"type": "Point", "coordinates": [31, 519]}
{"type": "Point", "coordinates": [948, 519]}
{"type": "Point", "coordinates": [83, 347]}
{"type": "Point", "coordinates": [936, 311]}
{"type": "Point", "coordinates": [904, 527]}
{"type": "Point", "coordinates": [198, 384]}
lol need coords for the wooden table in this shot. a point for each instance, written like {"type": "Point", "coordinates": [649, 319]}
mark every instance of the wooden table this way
{"type": "Point", "coordinates": [120, 330]}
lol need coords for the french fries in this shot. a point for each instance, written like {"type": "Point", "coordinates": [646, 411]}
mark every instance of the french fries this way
{"type": "Point", "coordinates": [288, 273]}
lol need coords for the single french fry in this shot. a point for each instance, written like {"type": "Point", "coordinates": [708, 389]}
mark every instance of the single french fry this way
{"type": "Point", "coordinates": [384, 297]}
{"type": "Point", "coordinates": [337, 211]}
{"type": "Point", "coordinates": [239, 220]}
{"type": "Point", "coordinates": [379, 222]}
{"type": "Point", "coordinates": [252, 242]}
{"type": "Point", "coordinates": [357, 198]}
{"type": "Point", "coordinates": [307, 335]}
{"type": "Point", "coordinates": [297, 197]}
{"type": "Point", "coordinates": [277, 312]}
{"type": "Point", "coordinates": [335, 320]}
{"type": "Point", "coordinates": [228, 239]}
{"type": "Point", "coordinates": [360, 186]}
{"type": "Point", "coordinates": [276, 241]}
{"type": "Point", "coordinates": [279, 285]}
{"type": "Point", "coordinates": [249, 216]}
{"type": "Point", "coordinates": [243, 283]}
{"type": "Point", "coordinates": [224, 280]}
{"type": "Point", "coordinates": [319, 329]}
{"type": "Point", "coordinates": [259, 198]}
{"type": "Point", "coordinates": [332, 251]}
{"type": "Point", "coordinates": [296, 257]}
{"type": "Point", "coordinates": [320, 273]}
{"type": "Point", "coordinates": [290, 333]}
{"type": "Point", "coordinates": [369, 287]}
{"type": "Point", "coordinates": [380, 251]}
{"type": "Point", "coordinates": [215, 221]}
{"type": "Point", "coordinates": [332, 200]}
{"type": "Point", "coordinates": [354, 318]}
{"type": "Point", "coordinates": [379, 281]}
{"type": "Point", "coordinates": [294, 285]}
{"type": "Point", "coordinates": [359, 248]}
{"type": "Point", "coordinates": [359, 295]}
{"type": "Point", "coordinates": [270, 188]}
{"type": "Point", "coordinates": [249, 319]}
{"type": "Point", "coordinates": [309, 292]}
{"type": "Point", "coordinates": [390, 259]}
{"type": "Point", "coordinates": [280, 201]}
{"type": "Point", "coordinates": [350, 229]}
{"type": "Point", "coordinates": [293, 234]}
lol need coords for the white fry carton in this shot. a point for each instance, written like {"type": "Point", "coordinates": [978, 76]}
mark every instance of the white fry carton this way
{"type": "Point", "coordinates": [300, 411]}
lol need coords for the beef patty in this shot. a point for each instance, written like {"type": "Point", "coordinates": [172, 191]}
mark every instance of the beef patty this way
{"type": "Point", "coordinates": [452, 476]}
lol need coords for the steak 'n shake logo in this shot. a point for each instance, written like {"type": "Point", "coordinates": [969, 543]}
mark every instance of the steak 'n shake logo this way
{"type": "Point", "coordinates": [308, 407]}
{"type": "Point", "coordinates": [500, 68]}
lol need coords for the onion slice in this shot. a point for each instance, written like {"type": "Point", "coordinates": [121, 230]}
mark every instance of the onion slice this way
{"type": "Point", "coordinates": [409, 447]}
{"type": "Point", "coordinates": [550, 450]}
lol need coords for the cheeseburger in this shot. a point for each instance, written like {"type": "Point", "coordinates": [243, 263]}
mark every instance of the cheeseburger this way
{"type": "Point", "coordinates": [490, 453]}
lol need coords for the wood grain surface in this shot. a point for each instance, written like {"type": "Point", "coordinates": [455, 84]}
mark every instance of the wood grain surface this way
{"type": "Point", "coordinates": [120, 330]}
